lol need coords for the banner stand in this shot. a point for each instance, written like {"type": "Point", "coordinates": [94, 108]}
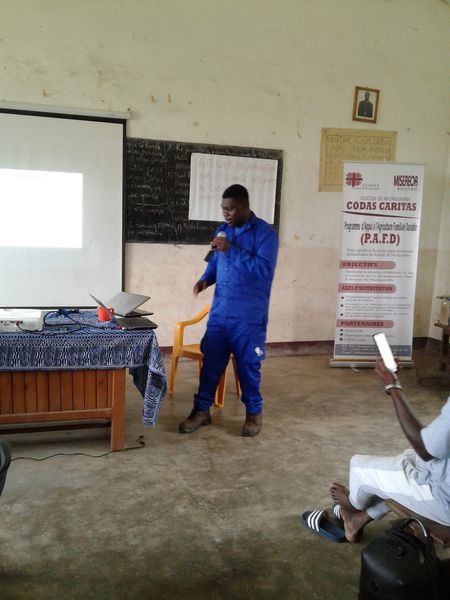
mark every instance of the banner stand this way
{"type": "Point", "coordinates": [359, 364]}
{"type": "Point", "coordinates": [378, 261]}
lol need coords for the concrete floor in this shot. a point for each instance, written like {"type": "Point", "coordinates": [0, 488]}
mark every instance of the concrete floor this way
{"type": "Point", "coordinates": [209, 515]}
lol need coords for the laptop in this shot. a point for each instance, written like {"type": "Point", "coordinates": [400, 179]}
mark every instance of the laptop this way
{"type": "Point", "coordinates": [125, 304]}
{"type": "Point", "coordinates": [127, 323]}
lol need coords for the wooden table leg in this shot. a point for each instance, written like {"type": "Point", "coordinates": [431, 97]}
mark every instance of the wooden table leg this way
{"type": "Point", "coordinates": [118, 410]}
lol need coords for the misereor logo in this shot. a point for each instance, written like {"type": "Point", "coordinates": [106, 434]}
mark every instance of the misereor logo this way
{"type": "Point", "coordinates": [406, 180]}
{"type": "Point", "coordinates": [354, 179]}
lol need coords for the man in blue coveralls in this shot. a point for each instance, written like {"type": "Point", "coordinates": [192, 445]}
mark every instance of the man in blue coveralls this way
{"type": "Point", "coordinates": [242, 266]}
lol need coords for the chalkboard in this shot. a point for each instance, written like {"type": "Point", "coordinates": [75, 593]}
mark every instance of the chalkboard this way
{"type": "Point", "coordinates": [157, 180]}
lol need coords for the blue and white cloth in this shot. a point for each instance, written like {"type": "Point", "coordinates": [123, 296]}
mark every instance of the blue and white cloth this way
{"type": "Point", "coordinates": [83, 342]}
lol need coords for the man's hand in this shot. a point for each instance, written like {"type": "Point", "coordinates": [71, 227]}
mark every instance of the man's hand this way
{"type": "Point", "coordinates": [200, 286]}
{"type": "Point", "coordinates": [220, 243]}
{"type": "Point", "coordinates": [386, 376]}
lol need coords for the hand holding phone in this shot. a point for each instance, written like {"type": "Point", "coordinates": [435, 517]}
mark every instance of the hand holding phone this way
{"type": "Point", "coordinates": [385, 352]}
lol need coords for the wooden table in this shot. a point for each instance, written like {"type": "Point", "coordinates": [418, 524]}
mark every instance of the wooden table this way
{"type": "Point", "coordinates": [444, 346]}
{"type": "Point", "coordinates": [57, 396]}
{"type": "Point", "coordinates": [72, 373]}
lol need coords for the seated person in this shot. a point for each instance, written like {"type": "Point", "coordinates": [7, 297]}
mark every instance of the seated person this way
{"type": "Point", "coordinates": [418, 479]}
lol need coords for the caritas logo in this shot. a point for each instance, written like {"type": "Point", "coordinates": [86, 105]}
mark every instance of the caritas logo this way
{"type": "Point", "coordinates": [353, 179]}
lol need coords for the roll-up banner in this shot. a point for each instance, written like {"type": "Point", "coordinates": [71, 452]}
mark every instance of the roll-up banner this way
{"type": "Point", "coordinates": [378, 261]}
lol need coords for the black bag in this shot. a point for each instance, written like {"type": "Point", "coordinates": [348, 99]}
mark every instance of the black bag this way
{"type": "Point", "coordinates": [396, 565]}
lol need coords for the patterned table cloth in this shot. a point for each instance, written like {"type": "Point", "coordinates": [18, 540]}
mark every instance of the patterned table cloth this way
{"type": "Point", "coordinates": [80, 341]}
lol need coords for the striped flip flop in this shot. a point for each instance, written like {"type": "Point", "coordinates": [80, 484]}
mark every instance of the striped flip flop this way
{"type": "Point", "coordinates": [337, 514]}
{"type": "Point", "coordinates": [318, 522]}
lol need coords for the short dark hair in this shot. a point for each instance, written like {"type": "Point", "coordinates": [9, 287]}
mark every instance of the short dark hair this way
{"type": "Point", "coordinates": [237, 192]}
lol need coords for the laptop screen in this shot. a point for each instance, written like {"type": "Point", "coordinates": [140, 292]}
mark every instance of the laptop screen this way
{"type": "Point", "coordinates": [125, 303]}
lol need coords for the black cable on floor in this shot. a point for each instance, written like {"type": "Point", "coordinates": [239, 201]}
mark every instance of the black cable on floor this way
{"type": "Point", "coordinates": [139, 441]}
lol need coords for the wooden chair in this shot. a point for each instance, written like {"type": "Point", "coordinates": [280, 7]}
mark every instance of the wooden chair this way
{"type": "Point", "coordinates": [193, 352]}
{"type": "Point", "coordinates": [439, 533]}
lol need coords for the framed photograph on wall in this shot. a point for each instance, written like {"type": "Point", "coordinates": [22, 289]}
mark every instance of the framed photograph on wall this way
{"type": "Point", "coordinates": [365, 104]}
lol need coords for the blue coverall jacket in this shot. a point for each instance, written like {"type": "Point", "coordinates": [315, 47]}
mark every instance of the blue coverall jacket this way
{"type": "Point", "coordinates": [238, 317]}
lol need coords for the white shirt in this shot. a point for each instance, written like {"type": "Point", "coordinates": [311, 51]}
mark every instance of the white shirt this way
{"type": "Point", "coordinates": [436, 472]}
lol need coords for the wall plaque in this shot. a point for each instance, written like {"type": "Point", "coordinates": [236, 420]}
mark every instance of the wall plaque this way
{"type": "Point", "coordinates": [338, 145]}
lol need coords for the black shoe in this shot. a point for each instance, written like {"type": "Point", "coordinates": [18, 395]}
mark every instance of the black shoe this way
{"type": "Point", "coordinates": [252, 425]}
{"type": "Point", "coordinates": [194, 421]}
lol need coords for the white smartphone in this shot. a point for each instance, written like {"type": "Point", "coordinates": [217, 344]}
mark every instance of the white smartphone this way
{"type": "Point", "coordinates": [385, 352]}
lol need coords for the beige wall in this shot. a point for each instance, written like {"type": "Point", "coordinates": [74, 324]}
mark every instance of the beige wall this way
{"type": "Point", "coordinates": [442, 279]}
{"type": "Point", "coordinates": [267, 73]}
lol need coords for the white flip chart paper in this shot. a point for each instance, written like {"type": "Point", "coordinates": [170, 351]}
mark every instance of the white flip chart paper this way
{"type": "Point", "coordinates": [211, 174]}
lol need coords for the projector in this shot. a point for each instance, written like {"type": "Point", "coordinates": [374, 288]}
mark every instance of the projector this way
{"type": "Point", "coordinates": [16, 319]}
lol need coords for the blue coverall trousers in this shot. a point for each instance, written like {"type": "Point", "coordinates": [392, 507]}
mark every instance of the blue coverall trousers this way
{"type": "Point", "coordinates": [225, 336]}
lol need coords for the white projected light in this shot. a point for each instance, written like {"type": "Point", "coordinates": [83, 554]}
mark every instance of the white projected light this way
{"type": "Point", "coordinates": [40, 209]}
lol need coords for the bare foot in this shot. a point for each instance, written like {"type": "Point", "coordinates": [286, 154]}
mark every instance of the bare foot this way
{"type": "Point", "coordinates": [354, 523]}
{"type": "Point", "coordinates": [340, 495]}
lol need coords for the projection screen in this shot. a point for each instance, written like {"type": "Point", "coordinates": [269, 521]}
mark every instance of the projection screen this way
{"type": "Point", "coordinates": [61, 209]}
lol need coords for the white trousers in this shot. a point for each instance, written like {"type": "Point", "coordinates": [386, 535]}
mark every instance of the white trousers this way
{"type": "Point", "coordinates": [374, 478]}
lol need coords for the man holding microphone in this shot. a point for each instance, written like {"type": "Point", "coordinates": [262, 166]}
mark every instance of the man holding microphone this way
{"type": "Point", "coordinates": [242, 265]}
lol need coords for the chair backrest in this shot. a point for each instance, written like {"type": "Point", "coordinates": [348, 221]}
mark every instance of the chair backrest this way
{"type": "Point", "coordinates": [178, 337]}
{"type": "Point", "coordinates": [5, 461]}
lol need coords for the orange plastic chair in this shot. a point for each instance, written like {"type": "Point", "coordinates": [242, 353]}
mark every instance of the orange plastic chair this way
{"type": "Point", "coordinates": [193, 351]}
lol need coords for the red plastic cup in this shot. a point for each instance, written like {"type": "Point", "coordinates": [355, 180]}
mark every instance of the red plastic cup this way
{"type": "Point", "coordinates": [103, 314]}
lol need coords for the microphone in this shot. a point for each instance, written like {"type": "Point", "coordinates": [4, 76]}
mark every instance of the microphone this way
{"type": "Point", "coordinates": [208, 257]}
